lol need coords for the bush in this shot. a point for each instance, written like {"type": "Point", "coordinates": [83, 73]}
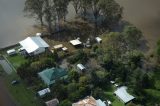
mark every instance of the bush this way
{"type": "Point", "coordinates": [80, 56]}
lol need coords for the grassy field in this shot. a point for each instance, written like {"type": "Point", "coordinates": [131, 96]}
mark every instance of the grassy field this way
{"type": "Point", "coordinates": [16, 60]}
{"type": "Point", "coordinates": [21, 94]}
{"type": "Point", "coordinates": [109, 96]}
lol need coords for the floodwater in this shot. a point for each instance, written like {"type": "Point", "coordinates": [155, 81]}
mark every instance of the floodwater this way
{"type": "Point", "coordinates": [13, 24]}
{"type": "Point", "coordinates": [145, 15]}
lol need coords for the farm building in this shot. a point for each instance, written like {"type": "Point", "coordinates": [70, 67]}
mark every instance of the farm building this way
{"type": "Point", "coordinates": [123, 95]}
{"type": "Point", "coordinates": [34, 45]}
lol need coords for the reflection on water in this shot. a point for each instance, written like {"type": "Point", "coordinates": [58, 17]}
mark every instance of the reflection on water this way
{"type": "Point", "coordinates": [145, 14]}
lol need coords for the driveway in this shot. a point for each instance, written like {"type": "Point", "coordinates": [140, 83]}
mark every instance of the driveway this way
{"type": "Point", "coordinates": [7, 68]}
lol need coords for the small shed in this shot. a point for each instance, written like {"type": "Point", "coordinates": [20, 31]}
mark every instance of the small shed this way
{"type": "Point", "coordinates": [43, 92]}
{"type": "Point", "coordinates": [98, 39]}
{"type": "Point", "coordinates": [11, 52]}
{"type": "Point", "coordinates": [58, 46]}
{"type": "Point", "coordinates": [53, 102]}
{"type": "Point", "coordinates": [80, 67]}
{"type": "Point", "coordinates": [65, 49]}
{"type": "Point", "coordinates": [123, 95]}
{"type": "Point", "coordinates": [76, 42]}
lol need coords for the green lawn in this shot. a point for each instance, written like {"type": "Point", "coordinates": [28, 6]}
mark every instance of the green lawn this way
{"type": "Point", "coordinates": [109, 96]}
{"type": "Point", "coordinates": [16, 60]}
{"type": "Point", "coordinates": [21, 94]}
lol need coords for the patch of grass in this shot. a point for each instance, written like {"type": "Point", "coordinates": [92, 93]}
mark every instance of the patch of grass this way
{"type": "Point", "coordinates": [153, 94]}
{"type": "Point", "coordinates": [17, 60]}
{"type": "Point", "coordinates": [20, 93]}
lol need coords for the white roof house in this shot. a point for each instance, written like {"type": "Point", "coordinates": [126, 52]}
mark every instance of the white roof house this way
{"type": "Point", "coordinates": [80, 66]}
{"type": "Point", "coordinates": [123, 95]}
{"type": "Point", "coordinates": [44, 92]}
{"type": "Point", "coordinates": [34, 45]}
{"type": "Point", "coordinates": [75, 42]}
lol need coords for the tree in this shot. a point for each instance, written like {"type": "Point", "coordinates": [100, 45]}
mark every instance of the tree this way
{"type": "Point", "coordinates": [114, 45]}
{"type": "Point", "coordinates": [132, 36]}
{"type": "Point", "coordinates": [84, 5]}
{"type": "Point", "coordinates": [76, 5]}
{"type": "Point", "coordinates": [146, 81]}
{"type": "Point", "coordinates": [112, 11]}
{"type": "Point", "coordinates": [61, 7]}
{"type": "Point", "coordinates": [135, 58]}
{"type": "Point", "coordinates": [98, 93]}
{"type": "Point", "coordinates": [49, 12]}
{"type": "Point", "coordinates": [73, 75]}
{"type": "Point", "coordinates": [35, 8]}
{"type": "Point", "coordinates": [65, 102]}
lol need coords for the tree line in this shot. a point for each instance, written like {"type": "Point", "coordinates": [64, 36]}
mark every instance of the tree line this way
{"type": "Point", "coordinates": [52, 12]}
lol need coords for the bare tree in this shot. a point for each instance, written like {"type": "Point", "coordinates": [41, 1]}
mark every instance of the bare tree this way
{"type": "Point", "coordinates": [76, 5]}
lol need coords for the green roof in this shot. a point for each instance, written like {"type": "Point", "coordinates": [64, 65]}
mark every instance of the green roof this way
{"type": "Point", "coordinates": [50, 75]}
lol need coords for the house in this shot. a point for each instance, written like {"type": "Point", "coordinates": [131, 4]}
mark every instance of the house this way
{"type": "Point", "coordinates": [89, 101]}
{"type": "Point", "coordinates": [123, 95]}
{"type": "Point", "coordinates": [43, 92]}
{"type": "Point", "coordinates": [76, 42]}
{"type": "Point", "coordinates": [34, 45]}
{"type": "Point", "coordinates": [80, 67]}
{"type": "Point", "coordinates": [53, 102]}
{"type": "Point", "coordinates": [11, 52]}
{"type": "Point", "coordinates": [49, 76]}
{"type": "Point", "coordinates": [98, 39]}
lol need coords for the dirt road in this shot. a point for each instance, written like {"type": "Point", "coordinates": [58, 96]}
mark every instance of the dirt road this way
{"type": "Point", "coordinates": [5, 98]}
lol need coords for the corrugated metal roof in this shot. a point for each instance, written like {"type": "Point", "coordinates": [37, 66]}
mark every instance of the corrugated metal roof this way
{"type": "Point", "coordinates": [123, 94]}
{"type": "Point", "coordinates": [49, 75]}
{"type": "Point", "coordinates": [100, 103]}
{"type": "Point", "coordinates": [80, 66]}
{"type": "Point", "coordinates": [30, 44]}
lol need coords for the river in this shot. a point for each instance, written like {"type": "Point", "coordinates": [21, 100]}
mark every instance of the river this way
{"type": "Point", "coordinates": [13, 24]}
{"type": "Point", "coordinates": [144, 14]}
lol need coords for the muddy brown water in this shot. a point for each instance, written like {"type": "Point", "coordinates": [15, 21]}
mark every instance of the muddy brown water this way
{"type": "Point", "coordinates": [144, 14]}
